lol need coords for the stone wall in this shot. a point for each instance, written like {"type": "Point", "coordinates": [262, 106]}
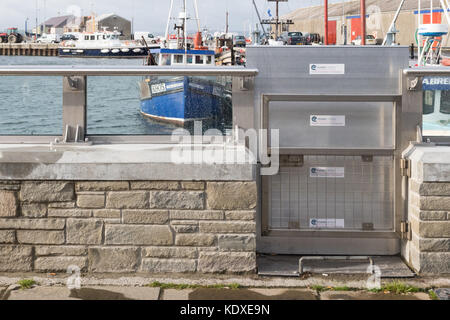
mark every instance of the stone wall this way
{"type": "Point", "coordinates": [128, 226]}
{"type": "Point", "coordinates": [428, 250]}
{"type": "Point", "coordinates": [429, 217]}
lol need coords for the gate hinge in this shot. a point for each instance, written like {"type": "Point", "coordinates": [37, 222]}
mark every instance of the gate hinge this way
{"type": "Point", "coordinates": [405, 167]}
{"type": "Point", "coordinates": [405, 230]}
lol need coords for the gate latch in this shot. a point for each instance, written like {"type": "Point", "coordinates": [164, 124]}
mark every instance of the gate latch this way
{"type": "Point", "coordinates": [405, 167]}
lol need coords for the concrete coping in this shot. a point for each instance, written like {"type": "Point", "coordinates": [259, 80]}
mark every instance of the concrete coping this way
{"type": "Point", "coordinates": [212, 162]}
{"type": "Point", "coordinates": [429, 163]}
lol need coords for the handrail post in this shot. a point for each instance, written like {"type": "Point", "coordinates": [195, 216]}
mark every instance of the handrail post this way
{"type": "Point", "coordinates": [74, 108]}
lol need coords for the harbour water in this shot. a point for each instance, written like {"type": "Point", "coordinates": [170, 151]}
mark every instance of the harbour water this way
{"type": "Point", "coordinates": [33, 105]}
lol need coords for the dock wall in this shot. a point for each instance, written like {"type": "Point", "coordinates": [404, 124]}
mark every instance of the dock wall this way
{"type": "Point", "coordinates": [29, 49]}
{"type": "Point", "coordinates": [428, 247]}
{"type": "Point", "coordinates": [125, 209]}
{"type": "Point", "coordinates": [127, 226]}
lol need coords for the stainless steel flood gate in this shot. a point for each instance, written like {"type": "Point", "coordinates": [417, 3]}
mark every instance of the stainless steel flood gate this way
{"type": "Point", "coordinates": [339, 115]}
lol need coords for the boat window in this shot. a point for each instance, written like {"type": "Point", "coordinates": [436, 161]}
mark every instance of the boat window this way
{"type": "Point", "coordinates": [445, 102]}
{"type": "Point", "coordinates": [209, 60]}
{"type": "Point", "coordinates": [165, 60]}
{"type": "Point", "coordinates": [198, 59]}
{"type": "Point", "coordinates": [189, 59]}
{"type": "Point", "coordinates": [99, 37]}
{"type": "Point", "coordinates": [178, 58]}
{"type": "Point", "coordinates": [92, 37]}
{"type": "Point", "coordinates": [428, 102]}
{"type": "Point", "coordinates": [86, 37]}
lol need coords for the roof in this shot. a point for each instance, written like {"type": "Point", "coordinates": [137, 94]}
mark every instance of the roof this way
{"type": "Point", "coordinates": [108, 15]}
{"type": "Point", "coordinates": [353, 8]}
{"type": "Point", "coordinates": [58, 22]}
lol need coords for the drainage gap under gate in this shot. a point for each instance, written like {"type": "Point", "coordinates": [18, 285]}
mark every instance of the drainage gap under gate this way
{"type": "Point", "coordinates": [288, 265]}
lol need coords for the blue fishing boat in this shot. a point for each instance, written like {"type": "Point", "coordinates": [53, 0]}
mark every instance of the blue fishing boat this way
{"type": "Point", "coordinates": [182, 99]}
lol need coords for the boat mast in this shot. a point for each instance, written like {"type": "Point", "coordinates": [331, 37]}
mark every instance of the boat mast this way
{"type": "Point", "coordinates": [196, 15]}
{"type": "Point", "coordinates": [184, 27]}
{"type": "Point", "coordinates": [168, 20]}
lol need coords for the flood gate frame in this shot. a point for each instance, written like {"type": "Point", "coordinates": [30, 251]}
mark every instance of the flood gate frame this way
{"type": "Point", "coordinates": [294, 84]}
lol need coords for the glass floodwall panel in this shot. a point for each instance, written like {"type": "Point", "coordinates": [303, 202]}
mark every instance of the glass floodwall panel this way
{"type": "Point", "coordinates": [436, 106]}
{"type": "Point", "coordinates": [333, 125]}
{"type": "Point", "coordinates": [30, 106]}
{"type": "Point", "coordinates": [333, 193]}
{"type": "Point", "coordinates": [158, 105]}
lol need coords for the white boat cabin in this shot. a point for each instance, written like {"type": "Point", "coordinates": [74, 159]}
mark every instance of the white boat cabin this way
{"type": "Point", "coordinates": [174, 57]}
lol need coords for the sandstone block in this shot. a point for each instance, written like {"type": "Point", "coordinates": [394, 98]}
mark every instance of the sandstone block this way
{"type": "Point", "coordinates": [127, 200]}
{"type": "Point", "coordinates": [47, 191]}
{"type": "Point", "coordinates": [138, 235]}
{"type": "Point", "coordinates": [84, 231]}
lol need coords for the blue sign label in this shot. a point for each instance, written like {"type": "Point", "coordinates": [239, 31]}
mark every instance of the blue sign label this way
{"type": "Point", "coordinates": [436, 83]}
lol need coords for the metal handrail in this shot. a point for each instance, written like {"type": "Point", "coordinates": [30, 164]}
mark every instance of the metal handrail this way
{"type": "Point", "coordinates": [48, 70]}
{"type": "Point", "coordinates": [427, 71]}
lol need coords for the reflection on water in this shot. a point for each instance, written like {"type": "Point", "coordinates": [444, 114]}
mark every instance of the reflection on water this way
{"type": "Point", "coordinates": [33, 105]}
{"type": "Point", "coordinates": [436, 110]}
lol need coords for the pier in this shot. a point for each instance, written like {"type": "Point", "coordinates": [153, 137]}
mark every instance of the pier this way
{"type": "Point", "coordinates": [326, 160]}
{"type": "Point", "coordinates": [29, 49]}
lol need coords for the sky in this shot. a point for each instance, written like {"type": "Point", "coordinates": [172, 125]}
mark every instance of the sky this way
{"type": "Point", "coordinates": [148, 15]}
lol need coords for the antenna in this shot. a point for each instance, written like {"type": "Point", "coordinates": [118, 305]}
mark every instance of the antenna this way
{"type": "Point", "coordinates": [196, 15]}
{"type": "Point", "coordinates": [168, 20]}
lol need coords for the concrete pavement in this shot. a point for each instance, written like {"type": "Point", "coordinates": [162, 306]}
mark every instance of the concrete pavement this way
{"type": "Point", "coordinates": [150, 293]}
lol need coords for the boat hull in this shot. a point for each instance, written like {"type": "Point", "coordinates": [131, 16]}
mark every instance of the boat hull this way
{"type": "Point", "coordinates": [181, 100]}
{"type": "Point", "coordinates": [103, 53]}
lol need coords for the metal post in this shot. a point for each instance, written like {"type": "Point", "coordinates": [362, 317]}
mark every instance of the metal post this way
{"type": "Point", "coordinates": [74, 108]}
{"type": "Point", "coordinates": [168, 20]}
{"type": "Point", "coordinates": [325, 38]}
{"type": "Point", "coordinates": [363, 22]}
{"type": "Point", "coordinates": [419, 37]}
{"type": "Point", "coordinates": [276, 22]}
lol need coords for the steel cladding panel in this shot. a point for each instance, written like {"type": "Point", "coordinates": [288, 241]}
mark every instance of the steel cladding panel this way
{"type": "Point", "coordinates": [345, 125]}
{"type": "Point", "coordinates": [373, 70]}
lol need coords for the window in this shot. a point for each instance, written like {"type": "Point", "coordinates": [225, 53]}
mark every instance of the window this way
{"type": "Point", "coordinates": [428, 102]}
{"type": "Point", "coordinates": [436, 112]}
{"type": "Point", "coordinates": [86, 37]}
{"type": "Point", "coordinates": [165, 60]}
{"type": "Point", "coordinates": [178, 58]}
{"type": "Point", "coordinates": [189, 59]}
{"type": "Point", "coordinates": [445, 102]}
{"type": "Point", "coordinates": [92, 37]}
{"type": "Point", "coordinates": [198, 59]}
{"type": "Point", "coordinates": [209, 60]}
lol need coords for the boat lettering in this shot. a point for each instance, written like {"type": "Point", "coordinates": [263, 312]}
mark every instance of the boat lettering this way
{"type": "Point", "coordinates": [174, 85]}
{"type": "Point", "coordinates": [158, 88]}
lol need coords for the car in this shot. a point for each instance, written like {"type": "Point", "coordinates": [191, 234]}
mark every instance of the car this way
{"type": "Point", "coordinates": [293, 38]}
{"type": "Point", "coordinates": [312, 38]}
{"type": "Point", "coordinates": [370, 40]}
{"type": "Point", "coordinates": [148, 37]}
{"type": "Point", "coordinates": [239, 41]}
{"type": "Point", "coordinates": [49, 38]}
{"type": "Point", "coordinates": [68, 37]}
